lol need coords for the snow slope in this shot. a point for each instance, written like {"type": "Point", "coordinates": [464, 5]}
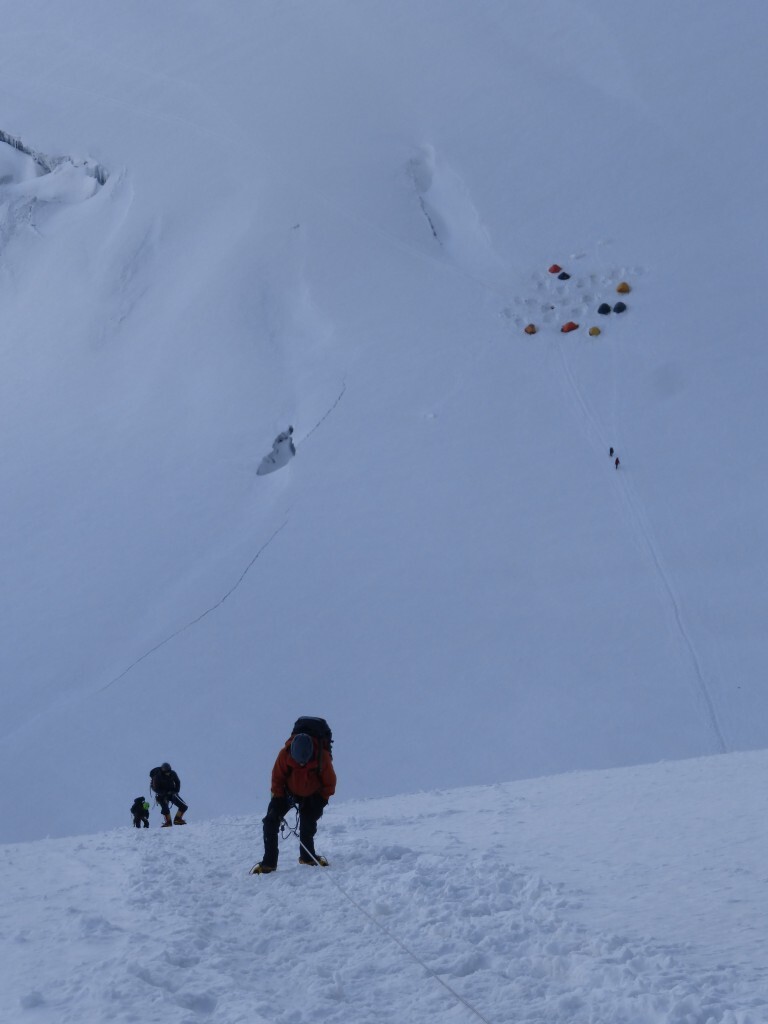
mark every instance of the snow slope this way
{"type": "Point", "coordinates": [237, 216]}
{"type": "Point", "coordinates": [634, 895]}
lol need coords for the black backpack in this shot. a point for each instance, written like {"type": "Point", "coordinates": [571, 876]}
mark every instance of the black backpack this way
{"type": "Point", "coordinates": [320, 730]}
{"type": "Point", "coordinates": [156, 775]}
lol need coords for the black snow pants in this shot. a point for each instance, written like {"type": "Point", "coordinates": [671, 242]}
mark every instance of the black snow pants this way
{"type": "Point", "coordinates": [164, 799]}
{"type": "Point", "coordinates": [310, 811]}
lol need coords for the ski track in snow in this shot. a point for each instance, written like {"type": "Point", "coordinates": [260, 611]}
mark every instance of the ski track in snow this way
{"type": "Point", "coordinates": [198, 618]}
{"type": "Point", "coordinates": [325, 415]}
{"type": "Point", "coordinates": [637, 513]}
{"type": "Point", "coordinates": [644, 532]}
{"type": "Point", "coordinates": [165, 927]}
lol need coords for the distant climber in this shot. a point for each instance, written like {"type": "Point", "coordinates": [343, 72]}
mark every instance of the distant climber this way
{"type": "Point", "coordinates": [283, 450]}
{"type": "Point", "coordinates": [140, 812]}
{"type": "Point", "coordinates": [303, 776]}
{"type": "Point", "coordinates": [616, 462]}
{"type": "Point", "coordinates": [165, 784]}
{"type": "Point", "coordinates": [610, 452]}
{"type": "Point", "coordinates": [282, 437]}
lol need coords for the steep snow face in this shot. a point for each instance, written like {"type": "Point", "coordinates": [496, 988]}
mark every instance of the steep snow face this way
{"type": "Point", "coordinates": [342, 219]}
{"type": "Point", "coordinates": [590, 898]}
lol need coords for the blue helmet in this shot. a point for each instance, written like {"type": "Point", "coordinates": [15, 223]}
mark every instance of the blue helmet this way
{"type": "Point", "coordinates": [302, 748]}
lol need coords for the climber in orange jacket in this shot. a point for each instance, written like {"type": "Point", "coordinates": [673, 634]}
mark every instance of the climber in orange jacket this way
{"type": "Point", "coordinates": [303, 777]}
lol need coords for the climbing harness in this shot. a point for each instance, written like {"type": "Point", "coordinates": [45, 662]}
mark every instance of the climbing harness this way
{"type": "Point", "coordinates": [286, 829]}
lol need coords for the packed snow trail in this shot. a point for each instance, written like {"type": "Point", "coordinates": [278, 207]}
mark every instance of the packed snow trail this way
{"type": "Point", "coordinates": [168, 926]}
{"type": "Point", "coordinates": [201, 616]}
{"type": "Point", "coordinates": [638, 520]}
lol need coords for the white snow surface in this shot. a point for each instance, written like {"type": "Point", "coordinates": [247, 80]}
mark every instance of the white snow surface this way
{"type": "Point", "coordinates": [219, 219]}
{"type": "Point", "coordinates": [636, 895]}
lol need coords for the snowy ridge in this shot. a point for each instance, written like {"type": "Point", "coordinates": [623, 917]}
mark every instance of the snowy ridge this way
{"type": "Point", "coordinates": [167, 926]}
{"type": "Point", "coordinates": [47, 164]}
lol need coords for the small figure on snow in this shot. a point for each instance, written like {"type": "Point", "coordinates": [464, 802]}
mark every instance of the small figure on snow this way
{"type": "Point", "coordinates": [282, 437]}
{"type": "Point", "coordinates": [610, 452]}
{"type": "Point", "coordinates": [616, 462]}
{"type": "Point", "coordinates": [303, 777]}
{"type": "Point", "coordinates": [283, 450]}
{"type": "Point", "coordinates": [140, 812]}
{"type": "Point", "coordinates": [165, 784]}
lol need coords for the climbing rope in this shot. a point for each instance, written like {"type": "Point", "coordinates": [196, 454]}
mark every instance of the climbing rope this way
{"type": "Point", "coordinates": [286, 829]}
{"type": "Point", "coordinates": [290, 830]}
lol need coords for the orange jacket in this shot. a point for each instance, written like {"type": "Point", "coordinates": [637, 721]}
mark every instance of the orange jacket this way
{"type": "Point", "coordinates": [303, 780]}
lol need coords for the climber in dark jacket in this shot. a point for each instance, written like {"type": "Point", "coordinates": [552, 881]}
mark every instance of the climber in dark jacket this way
{"type": "Point", "coordinates": [165, 785]}
{"type": "Point", "coordinates": [140, 812]}
{"type": "Point", "coordinates": [283, 437]}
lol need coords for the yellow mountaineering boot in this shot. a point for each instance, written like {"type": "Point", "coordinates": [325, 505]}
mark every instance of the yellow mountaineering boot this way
{"type": "Point", "coordinates": [317, 862]}
{"type": "Point", "coordinates": [179, 820]}
{"type": "Point", "coordinates": [166, 821]}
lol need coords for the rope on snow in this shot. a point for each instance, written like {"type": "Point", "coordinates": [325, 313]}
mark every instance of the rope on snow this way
{"type": "Point", "coordinates": [414, 956]}
{"type": "Point", "coordinates": [199, 618]}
